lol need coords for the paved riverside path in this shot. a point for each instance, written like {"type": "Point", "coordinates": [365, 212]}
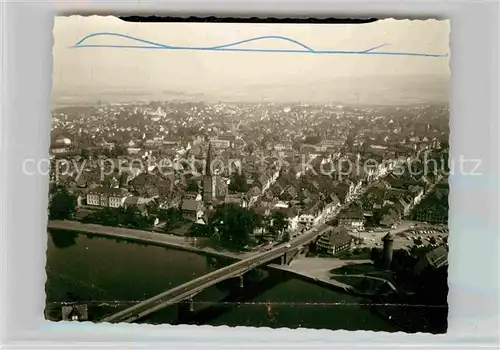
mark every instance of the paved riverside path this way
{"type": "Point", "coordinates": [189, 289]}
{"type": "Point", "coordinates": [163, 239]}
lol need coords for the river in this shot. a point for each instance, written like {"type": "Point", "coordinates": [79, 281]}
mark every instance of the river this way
{"type": "Point", "coordinates": [111, 274]}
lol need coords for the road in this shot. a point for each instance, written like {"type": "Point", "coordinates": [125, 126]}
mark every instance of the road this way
{"type": "Point", "coordinates": [400, 235]}
{"type": "Point", "coordinates": [372, 239]}
{"type": "Point", "coordinates": [189, 289]}
{"type": "Point", "coordinates": [383, 280]}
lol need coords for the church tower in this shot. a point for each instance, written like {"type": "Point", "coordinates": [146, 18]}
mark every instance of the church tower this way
{"type": "Point", "coordinates": [209, 181]}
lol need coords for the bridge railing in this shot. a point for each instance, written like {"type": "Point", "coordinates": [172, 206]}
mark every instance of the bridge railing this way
{"type": "Point", "coordinates": [262, 258]}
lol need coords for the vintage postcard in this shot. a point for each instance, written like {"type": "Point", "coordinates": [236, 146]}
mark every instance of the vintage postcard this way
{"type": "Point", "coordinates": [250, 174]}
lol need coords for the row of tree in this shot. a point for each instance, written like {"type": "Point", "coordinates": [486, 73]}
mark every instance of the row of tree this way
{"type": "Point", "coordinates": [238, 184]}
{"type": "Point", "coordinates": [229, 224]}
{"type": "Point", "coordinates": [135, 218]}
{"type": "Point", "coordinates": [127, 217]}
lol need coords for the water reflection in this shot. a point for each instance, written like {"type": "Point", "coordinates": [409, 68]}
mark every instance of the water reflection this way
{"type": "Point", "coordinates": [112, 275]}
{"type": "Point", "coordinates": [236, 296]}
{"type": "Point", "coordinates": [62, 238]}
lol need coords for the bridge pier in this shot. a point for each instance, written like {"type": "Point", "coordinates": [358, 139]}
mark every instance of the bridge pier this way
{"type": "Point", "coordinates": [241, 280]}
{"type": "Point", "coordinates": [283, 260]}
{"type": "Point", "coordinates": [209, 261]}
{"type": "Point", "coordinates": [184, 310]}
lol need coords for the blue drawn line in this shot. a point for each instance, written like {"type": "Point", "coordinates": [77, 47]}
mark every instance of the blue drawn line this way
{"type": "Point", "coordinates": [230, 47]}
{"type": "Point", "coordinates": [374, 48]}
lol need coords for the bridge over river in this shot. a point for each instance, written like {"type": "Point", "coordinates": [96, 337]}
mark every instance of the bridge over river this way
{"type": "Point", "coordinates": [284, 253]}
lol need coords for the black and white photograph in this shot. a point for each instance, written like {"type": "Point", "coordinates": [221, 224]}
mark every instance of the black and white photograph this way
{"type": "Point", "coordinates": [278, 175]}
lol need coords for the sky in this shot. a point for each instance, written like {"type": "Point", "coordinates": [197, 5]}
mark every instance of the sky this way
{"type": "Point", "coordinates": [251, 75]}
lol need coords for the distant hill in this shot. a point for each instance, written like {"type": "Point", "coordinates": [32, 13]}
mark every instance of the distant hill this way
{"type": "Point", "coordinates": [373, 90]}
{"type": "Point", "coordinates": [393, 90]}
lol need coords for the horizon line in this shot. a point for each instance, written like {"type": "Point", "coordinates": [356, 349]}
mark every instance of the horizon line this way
{"type": "Point", "coordinates": [294, 102]}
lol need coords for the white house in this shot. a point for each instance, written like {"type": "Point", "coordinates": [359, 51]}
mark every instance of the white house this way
{"type": "Point", "coordinates": [107, 197]}
{"type": "Point", "coordinates": [306, 219]}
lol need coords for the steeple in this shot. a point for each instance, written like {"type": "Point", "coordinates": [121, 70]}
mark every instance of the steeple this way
{"type": "Point", "coordinates": [208, 170]}
{"type": "Point", "coordinates": [209, 181]}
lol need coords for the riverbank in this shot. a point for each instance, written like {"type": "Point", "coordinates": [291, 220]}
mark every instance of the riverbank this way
{"type": "Point", "coordinates": [316, 270]}
{"type": "Point", "coordinates": [110, 275]}
{"type": "Point", "coordinates": [161, 239]}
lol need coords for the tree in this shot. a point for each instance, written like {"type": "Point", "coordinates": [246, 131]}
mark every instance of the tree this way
{"type": "Point", "coordinates": [375, 255]}
{"type": "Point", "coordinates": [198, 230]}
{"type": "Point", "coordinates": [192, 187]}
{"type": "Point", "coordinates": [276, 223]}
{"type": "Point", "coordinates": [297, 144]}
{"type": "Point", "coordinates": [62, 238]}
{"type": "Point", "coordinates": [238, 183]}
{"type": "Point", "coordinates": [432, 240]}
{"type": "Point", "coordinates": [118, 151]}
{"type": "Point", "coordinates": [129, 217]}
{"type": "Point", "coordinates": [386, 216]}
{"type": "Point", "coordinates": [106, 152]}
{"type": "Point", "coordinates": [62, 206]}
{"type": "Point", "coordinates": [106, 216]}
{"type": "Point", "coordinates": [286, 236]}
{"type": "Point", "coordinates": [171, 215]}
{"type": "Point", "coordinates": [232, 225]}
{"type": "Point", "coordinates": [54, 188]}
{"type": "Point", "coordinates": [250, 148]}
{"type": "Point", "coordinates": [152, 208]}
{"type": "Point", "coordinates": [265, 140]}
{"type": "Point", "coordinates": [85, 153]}
{"type": "Point", "coordinates": [312, 139]}
{"type": "Point", "coordinates": [258, 219]}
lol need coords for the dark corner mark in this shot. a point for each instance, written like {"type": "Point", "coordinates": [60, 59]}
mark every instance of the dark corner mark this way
{"type": "Point", "coordinates": [213, 19]}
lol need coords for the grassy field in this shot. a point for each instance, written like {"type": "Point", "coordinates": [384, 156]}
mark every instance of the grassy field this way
{"type": "Point", "coordinates": [363, 269]}
{"type": "Point", "coordinates": [358, 276]}
{"type": "Point", "coordinates": [355, 254]}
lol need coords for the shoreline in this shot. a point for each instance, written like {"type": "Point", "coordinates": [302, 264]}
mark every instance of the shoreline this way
{"type": "Point", "coordinates": [176, 242]}
{"type": "Point", "coordinates": [330, 284]}
{"type": "Point", "coordinates": [148, 237]}
{"type": "Point", "coordinates": [317, 270]}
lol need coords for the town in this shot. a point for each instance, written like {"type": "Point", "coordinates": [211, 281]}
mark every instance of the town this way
{"type": "Point", "coordinates": [371, 181]}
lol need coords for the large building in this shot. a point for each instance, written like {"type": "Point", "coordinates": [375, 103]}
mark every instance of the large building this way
{"type": "Point", "coordinates": [435, 259]}
{"type": "Point", "coordinates": [334, 240]}
{"type": "Point", "coordinates": [107, 197]}
{"type": "Point", "coordinates": [352, 219]}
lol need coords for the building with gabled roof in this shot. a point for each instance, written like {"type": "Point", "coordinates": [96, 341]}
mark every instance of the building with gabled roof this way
{"type": "Point", "coordinates": [107, 197]}
{"type": "Point", "coordinates": [352, 218]}
{"type": "Point", "coordinates": [75, 312]}
{"type": "Point", "coordinates": [435, 259]}
{"type": "Point", "coordinates": [334, 240]}
{"type": "Point", "coordinates": [193, 210]}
